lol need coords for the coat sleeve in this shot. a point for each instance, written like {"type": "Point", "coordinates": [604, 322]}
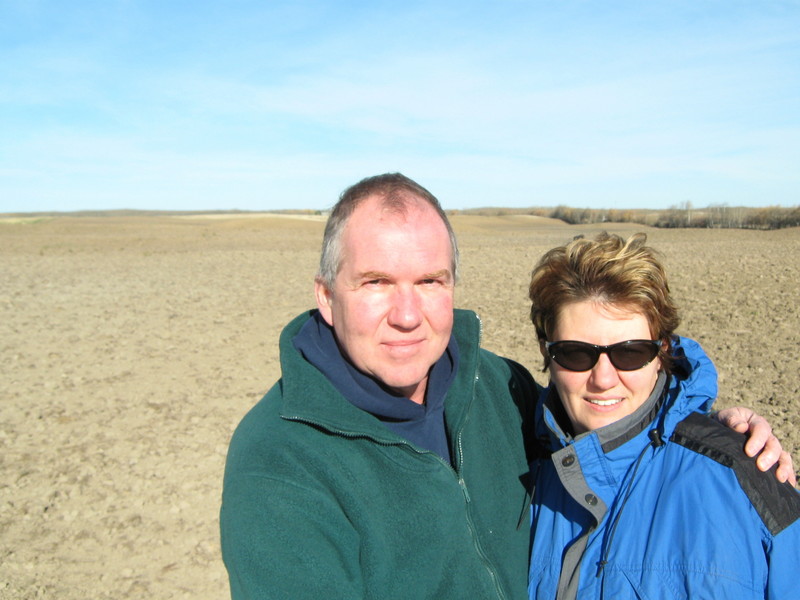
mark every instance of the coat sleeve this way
{"type": "Point", "coordinates": [282, 541]}
{"type": "Point", "coordinates": [784, 557]}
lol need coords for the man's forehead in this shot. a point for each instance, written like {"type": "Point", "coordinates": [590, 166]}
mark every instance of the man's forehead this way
{"type": "Point", "coordinates": [380, 239]}
{"type": "Point", "coordinates": [376, 256]}
{"type": "Point", "coordinates": [378, 210]}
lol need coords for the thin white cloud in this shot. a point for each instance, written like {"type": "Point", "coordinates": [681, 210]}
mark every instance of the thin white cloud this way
{"type": "Point", "coordinates": [529, 101]}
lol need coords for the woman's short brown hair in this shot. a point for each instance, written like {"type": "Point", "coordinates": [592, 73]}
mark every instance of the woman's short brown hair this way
{"type": "Point", "coordinates": [606, 269]}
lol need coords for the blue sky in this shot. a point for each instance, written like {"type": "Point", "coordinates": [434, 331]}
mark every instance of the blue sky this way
{"type": "Point", "coordinates": [260, 105]}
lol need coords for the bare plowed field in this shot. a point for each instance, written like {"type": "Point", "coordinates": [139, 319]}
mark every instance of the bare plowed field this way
{"type": "Point", "coordinates": [131, 347]}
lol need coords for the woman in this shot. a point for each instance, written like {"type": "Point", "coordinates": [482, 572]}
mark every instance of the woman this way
{"type": "Point", "coordinates": [641, 496]}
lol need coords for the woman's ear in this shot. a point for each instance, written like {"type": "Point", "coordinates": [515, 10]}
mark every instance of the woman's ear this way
{"type": "Point", "coordinates": [545, 355]}
{"type": "Point", "coordinates": [666, 349]}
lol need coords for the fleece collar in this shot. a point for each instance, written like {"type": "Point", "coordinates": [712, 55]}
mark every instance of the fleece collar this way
{"type": "Point", "coordinates": [422, 425]}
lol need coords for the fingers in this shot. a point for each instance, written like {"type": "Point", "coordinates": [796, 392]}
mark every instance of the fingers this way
{"type": "Point", "coordinates": [786, 469]}
{"type": "Point", "coordinates": [737, 418]}
{"type": "Point", "coordinates": [761, 442]}
{"type": "Point", "coordinates": [773, 454]}
{"type": "Point", "coordinates": [761, 437]}
{"type": "Point", "coordinates": [739, 426]}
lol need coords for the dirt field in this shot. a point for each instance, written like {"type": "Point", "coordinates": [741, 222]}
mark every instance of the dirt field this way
{"type": "Point", "coordinates": [131, 347]}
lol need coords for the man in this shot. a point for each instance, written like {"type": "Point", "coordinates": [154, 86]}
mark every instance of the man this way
{"type": "Point", "coordinates": [390, 460]}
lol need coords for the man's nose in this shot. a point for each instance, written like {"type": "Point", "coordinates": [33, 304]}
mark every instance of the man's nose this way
{"type": "Point", "coordinates": [406, 312]}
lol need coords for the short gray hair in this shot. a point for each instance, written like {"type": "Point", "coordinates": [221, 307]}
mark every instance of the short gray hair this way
{"type": "Point", "coordinates": [395, 191]}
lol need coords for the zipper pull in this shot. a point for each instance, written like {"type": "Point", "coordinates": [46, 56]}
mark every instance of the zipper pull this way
{"type": "Point", "coordinates": [464, 489]}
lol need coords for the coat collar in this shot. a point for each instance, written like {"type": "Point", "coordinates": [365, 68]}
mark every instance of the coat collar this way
{"type": "Point", "coordinates": [310, 397]}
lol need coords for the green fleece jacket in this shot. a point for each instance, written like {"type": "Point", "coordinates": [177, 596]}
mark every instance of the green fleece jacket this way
{"type": "Point", "coordinates": [321, 500]}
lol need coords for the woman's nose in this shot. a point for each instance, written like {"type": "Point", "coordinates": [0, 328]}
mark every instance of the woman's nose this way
{"type": "Point", "coordinates": [604, 374]}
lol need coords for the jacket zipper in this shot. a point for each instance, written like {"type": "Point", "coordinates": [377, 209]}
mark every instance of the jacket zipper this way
{"type": "Point", "coordinates": [459, 479]}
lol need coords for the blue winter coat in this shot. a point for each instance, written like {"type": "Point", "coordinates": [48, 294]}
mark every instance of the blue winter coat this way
{"type": "Point", "coordinates": [663, 504]}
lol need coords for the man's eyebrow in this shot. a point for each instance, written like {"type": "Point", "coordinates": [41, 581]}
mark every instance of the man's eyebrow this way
{"type": "Point", "coordinates": [368, 275]}
{"type": "Point", "coordinates": [437, 274]}
{"type": "Point", "coordinates": [374, 275]}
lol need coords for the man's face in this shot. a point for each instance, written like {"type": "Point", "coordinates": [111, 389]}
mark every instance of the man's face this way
{"type": "Point", "coordinates": [391, 305]}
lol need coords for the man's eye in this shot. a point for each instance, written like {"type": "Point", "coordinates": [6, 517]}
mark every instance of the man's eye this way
{"type": "Point", "coordinates": [434, 281]}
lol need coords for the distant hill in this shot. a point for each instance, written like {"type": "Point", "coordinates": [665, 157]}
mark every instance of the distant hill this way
{"type": "Point", "coordinates": [717, 217]}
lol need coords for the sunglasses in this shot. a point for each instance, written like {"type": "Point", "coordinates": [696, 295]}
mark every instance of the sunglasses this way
{"type": "Point", "coordinates": [581, 356]}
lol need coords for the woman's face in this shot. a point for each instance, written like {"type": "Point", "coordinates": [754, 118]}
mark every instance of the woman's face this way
{"type": "Point", "coordinates": [603, 394]}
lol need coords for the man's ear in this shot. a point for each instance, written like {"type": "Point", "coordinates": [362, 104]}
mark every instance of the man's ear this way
{"type": "Point", "coordinates": [324, 301]}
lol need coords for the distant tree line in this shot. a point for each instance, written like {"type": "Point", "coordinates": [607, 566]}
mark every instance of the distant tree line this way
{"type": "Point", "coordinates": [720, 216]}
{"type": "Point", "coordinates": [730, 217]}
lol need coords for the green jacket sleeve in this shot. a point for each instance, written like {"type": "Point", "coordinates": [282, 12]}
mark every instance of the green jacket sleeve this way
{"type": "Point", "coordinates": [282, 541]}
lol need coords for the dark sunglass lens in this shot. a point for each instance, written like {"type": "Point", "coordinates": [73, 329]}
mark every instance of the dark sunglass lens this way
{"type": "Point", "coordinates": [633, 355]}
{"type": "Point", "coordinates": [575, 357]}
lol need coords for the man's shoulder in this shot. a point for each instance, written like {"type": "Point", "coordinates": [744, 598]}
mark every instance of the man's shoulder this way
{"type": "Point", "coordinates": [262, 423]}
{"type": "Point", "coordinates": [466, 327]}
{"type": "Point", "coordinates": [778, 504]}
